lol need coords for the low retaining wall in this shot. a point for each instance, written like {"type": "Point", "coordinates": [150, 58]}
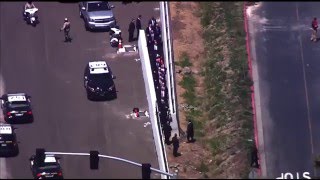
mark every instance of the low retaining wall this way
{"type": "Point", "coordinates": [152, 103]}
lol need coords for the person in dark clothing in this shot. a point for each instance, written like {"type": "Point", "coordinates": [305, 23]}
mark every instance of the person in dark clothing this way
{"type": "Point", "coordinates": [138, 25]}
{"type": "Point", "coordinates": [175, 143]}
{"type": "Point", "coordinates": [131, 30]}
{"type": "Point", "coordinates": [254, 157]}
{"type": "Point", "coordinates": [148, 29]}
{"type": "Point", "coordinates": [167, 133]}
{"type": "Point", "coordinates": [153, 22]}
{"type": "Point", "coordinates": [190, 132]}
{"type": "Point", "coordinates": [157, 30]}
{"type": "Point", "coordinates": [163, 118]}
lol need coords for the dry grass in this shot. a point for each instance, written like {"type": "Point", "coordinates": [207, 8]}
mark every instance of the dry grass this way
{"type": "Point", "coordinates": [223, 123]}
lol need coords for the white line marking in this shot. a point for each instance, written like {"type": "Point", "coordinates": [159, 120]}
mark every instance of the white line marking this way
{"type": "Point", "coordinates": [146, 124]}
{"type": "Point", "coordinates": [306, 90]}
{"type": "Point", "coordinates": [3, 164]}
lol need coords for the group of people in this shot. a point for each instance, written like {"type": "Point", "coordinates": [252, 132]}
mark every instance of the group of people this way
{"type": "Point", "coordinates": [134, 24]}
{"type": "Point", "coordinates": [153, 30]}
{"type": "Point", "coordinates": [154, 43]}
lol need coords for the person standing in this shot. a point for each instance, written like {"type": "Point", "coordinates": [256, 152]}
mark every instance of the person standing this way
{"type": "Point", "coordinates": [175, 143]}
{"type": "Point", "coordinates": [148, 29]}
{"type": "Point", "coordinates": [190, 132]}
{"type": "Point", "coordinates": [157, 30]}
{"type": "Point", "coordinates": [138, 25]}
{"type": "Point", "coordinates": [167, 132]}
{"type": "Point", "coordinates": [254, 157]}
{"type": "Point", "coordinates": [131, 30]}
{"type": "Point", "coordinates": [66, 29]}
{"type": "Point", "coordinates": [153, 22]}
{"type": "Point", "coordinates": [314, 26]}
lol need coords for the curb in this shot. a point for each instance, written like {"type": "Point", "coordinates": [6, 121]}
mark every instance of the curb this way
{"type": "Point", "coordinates": [252, 87]}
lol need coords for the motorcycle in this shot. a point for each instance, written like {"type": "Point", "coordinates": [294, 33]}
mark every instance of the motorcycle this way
{"type": "Point", "coordinates": [31, 16]}
{"type": "Point", "coordinates": [115, 36]}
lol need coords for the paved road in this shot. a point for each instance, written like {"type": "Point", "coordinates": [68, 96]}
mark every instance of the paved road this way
{"type": "Point", "coordinates": [37, 61]}
{"type": "Point", "coordinates": [289, 85]}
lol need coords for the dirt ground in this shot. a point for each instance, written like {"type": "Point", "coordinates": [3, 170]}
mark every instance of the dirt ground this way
{"type": "Point", "coordinates": [187, 37]}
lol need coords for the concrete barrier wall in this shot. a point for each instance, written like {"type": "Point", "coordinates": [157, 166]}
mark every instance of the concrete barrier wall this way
{"type": "Point", "coordinates": [169, 63]}
{"type": "Point", "coordinates": [152, 103]}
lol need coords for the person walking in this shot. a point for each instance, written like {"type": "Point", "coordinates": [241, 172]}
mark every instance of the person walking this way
{"type": "Point", "coordinates": [175, 143]}
{"type": "Point", "coordinates": [66, 29]}
{"type": "Point", "coordinates": [190, 132]}
{"type": "Point", "coordinates": [131, 30]}
{"type": "Point", "coordinates": [138, 25]}
{"type": "Point", "coordinates": [167, 132]}
{"type": "Point", "coordinates": [314, 26]}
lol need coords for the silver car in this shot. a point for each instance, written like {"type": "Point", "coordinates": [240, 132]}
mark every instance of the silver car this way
{"type": "Point", "coordinates": [97, 14]}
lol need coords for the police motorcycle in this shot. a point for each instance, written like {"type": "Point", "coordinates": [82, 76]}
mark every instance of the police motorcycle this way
{"type": "Point", "coordinates": [30, 16]}
{"type": "Point", "coordinates": [115, 36]}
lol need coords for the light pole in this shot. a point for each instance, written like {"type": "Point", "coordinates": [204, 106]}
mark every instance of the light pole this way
{"type": "Point", "coordinates": [110, 157]}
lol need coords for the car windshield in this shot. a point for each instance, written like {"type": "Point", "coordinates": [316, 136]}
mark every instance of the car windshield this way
{"type": "Point", "coordinates": [98, 6]}
{"type": "Point", "coordinates": [101, 77]}
{"type": "Point", "coordinates": [17, 104]}
{"type": "Point", "coordinates": [47, 166]}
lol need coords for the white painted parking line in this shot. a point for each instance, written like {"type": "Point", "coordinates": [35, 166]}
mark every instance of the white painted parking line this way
{"type": "Point", "coordinates": [3, 164]}
{"type": "Point", "coordinates": [3, 169]}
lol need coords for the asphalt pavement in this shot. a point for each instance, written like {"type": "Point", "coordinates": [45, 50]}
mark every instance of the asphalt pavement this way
{"type": "Point", "coordinates": [35, 60]}
{"type": "Point", "coordinates": [288, 69]}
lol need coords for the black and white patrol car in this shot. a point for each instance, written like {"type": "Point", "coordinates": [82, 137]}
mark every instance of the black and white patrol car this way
{"type": "Point", "coordinates": [98, 81]}
{"type": "Point", "coordinates": [17, 108]}
{"type": "Point", "coordinates": [8, 141]}
{"type": "Point", "coordinates": [49, 169]}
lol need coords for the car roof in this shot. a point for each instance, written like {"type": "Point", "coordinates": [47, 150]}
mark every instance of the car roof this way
{"type": "Point", "coordinates": [98, 67]}
{"type": "Point", "coordinates": [16, 97]}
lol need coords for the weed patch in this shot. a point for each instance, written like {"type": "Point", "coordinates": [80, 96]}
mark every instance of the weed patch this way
{"type": "Point", "coordinates": [203, 167]}
{"type": "Point", "coordinates": [189, 83]}
{"type": "Point", "coordinates": [184, 60]}
{"type": "Point", "coordinates": [227, 84]}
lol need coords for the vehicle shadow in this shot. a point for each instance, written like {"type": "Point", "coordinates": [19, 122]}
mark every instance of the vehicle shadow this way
{"type": "Point", "coordinates": [10, 155]}
{"type": "Point", "coordinates": [22, 122]}
{"type": "Point", "coordinates": [99, 30]}
{"type": "Point", "coordinates": [103, 99]}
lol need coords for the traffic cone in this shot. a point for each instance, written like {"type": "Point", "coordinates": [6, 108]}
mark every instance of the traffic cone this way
{"type": "Point", "coordinates": [120, 44]}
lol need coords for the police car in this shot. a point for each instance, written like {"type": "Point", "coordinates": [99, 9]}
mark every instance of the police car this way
{"type": "Point", "coordinates": [8, 141]}
{"type": "Point", "coordinates": [16, 108]}
{"type": "Point", "coordinates": [49, 169]}
{"type": "Point", "coordinates": [98, 81]}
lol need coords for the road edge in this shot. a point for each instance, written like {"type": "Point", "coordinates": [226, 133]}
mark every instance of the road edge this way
{"type": "Point", "coordinates": [255, 99]}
